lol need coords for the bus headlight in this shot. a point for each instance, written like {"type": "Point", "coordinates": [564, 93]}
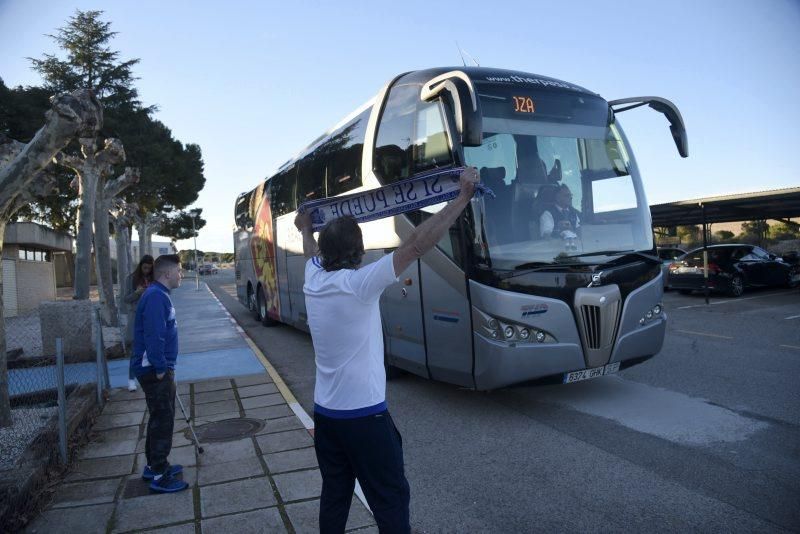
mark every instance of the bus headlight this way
{"type": "Point", "coordinates": [540, 337]}
{"type": "Point", "coordinates": [493, 323]}
{"type": "Point", "coordinates": [648, 315]}
{"type": "Point", "coordinates": [657, 309]}
{"type": "Point", "coordinates": [524, 333]}
{"type": "Point", "coordinates": [509, 332]}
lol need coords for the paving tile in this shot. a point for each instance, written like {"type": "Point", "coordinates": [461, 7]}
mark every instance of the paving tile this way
{"type": "Point", "coordinates": [264, 521]}
{"type": "Point", "coordinates": [284, 441]}
{"type": "Point", "coordinates": [127, 406]}
{"type": "Point", "coordinates": [83, 493]}
{"type": "Point", "coordinates": [102, 468]}
{"type": "Point", "coordinates": [223, 472]}
{"type": "Point", "coordinates": [212, 385]}
{"type": "Point", "coordinates": [367, 530]}
{"type": "Point", "coordinates": [213, 408]}
{"type": "Point", "coordinates": [184, 528]}
{"type": "Point", "coordinates": [281, 425]}
{"type": "Point", "coordinates": [122, 394]}
{"type": "Point", "coordinates": [305, 516]}
{"type": "Point", "coordinates": [85, 519]}
{"type": "Point", "coordinates": [227, 451]}
{"type": "Point", "coordinates": [281, 462]}
{"type": "Point", "coordinates": [263, 400]}
{"type": "Point", "coordinates": [270, 412]}
{"type": "Point", "coordinates": [153, 510]}
{"type": "Point", "coordinates": [101, 449]}
{"type": "Point", "coordinates": [252, 380]}
{"type": "Point", "coordinates": [238, 496]}
{"type": "Point", "coordinates": [116, 434]}
{"type": "Point", "coordinates": [260, 389]}
{"type": "Point", "coordinates": [106, 422]}
{"type": "Point", "coordinates": [178, 440]}
{"type": "Point", "coordinates": [299, 485]}
{"type": "Point", "coordinates": [216, 417]}
{"type": "Point", "coordinates": [214, 396]}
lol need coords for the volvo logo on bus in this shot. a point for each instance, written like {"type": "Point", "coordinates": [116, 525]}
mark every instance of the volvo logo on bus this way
{"type": "Point", "coordinates": [597, 279]}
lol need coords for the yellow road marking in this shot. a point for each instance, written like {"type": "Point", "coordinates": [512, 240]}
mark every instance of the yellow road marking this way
{"type": "Point", "coordinates": [704, 334]}
{"type": "Point", "coordinates": [281, 385]}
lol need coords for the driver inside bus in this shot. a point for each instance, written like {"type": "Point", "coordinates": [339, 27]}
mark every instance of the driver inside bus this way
{"type": "Point", "coordinates": [560, 219]}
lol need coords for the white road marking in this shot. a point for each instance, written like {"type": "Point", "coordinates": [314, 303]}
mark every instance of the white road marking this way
{"type": "Point", "coordinates": [791, 347]}
{"type": "Point", "coordinates": [667, 414]}
{"type": "Point", "coordinates": [740, 299]}
{"type": "Point", "coordinates": [792, 317]}
{"type": "Point", "coordinates": [703, 334]}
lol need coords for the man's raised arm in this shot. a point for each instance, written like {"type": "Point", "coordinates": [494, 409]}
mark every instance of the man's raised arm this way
{"type": "Point", "coordinates": [303, 223]}
{"type": "Point", "coordinates": [427, 234]}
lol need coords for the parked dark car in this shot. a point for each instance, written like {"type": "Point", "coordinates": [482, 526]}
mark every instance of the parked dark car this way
{"type": "Point", "coordinates": [668, 255]}
{"type": "Point", "coordinates": [731, 269]}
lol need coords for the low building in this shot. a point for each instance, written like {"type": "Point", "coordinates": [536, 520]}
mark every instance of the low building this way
{"type": "Point", "coordinates": [157, 249]}
{"type": "Point", "coordinates": [30, 254]}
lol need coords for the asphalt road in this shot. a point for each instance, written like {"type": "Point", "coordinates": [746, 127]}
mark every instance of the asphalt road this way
{"type": "Point", "coordinates": [703, 437]}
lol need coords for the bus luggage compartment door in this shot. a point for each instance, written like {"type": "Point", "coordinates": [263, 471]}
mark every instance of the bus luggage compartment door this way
{"type": "Point", "coordinates": [401, 310]}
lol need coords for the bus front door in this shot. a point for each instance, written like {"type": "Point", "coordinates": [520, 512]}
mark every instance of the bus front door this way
{"type": "Point", "coordinates": [401, 310]}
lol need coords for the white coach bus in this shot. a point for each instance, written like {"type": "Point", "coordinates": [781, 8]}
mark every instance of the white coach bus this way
{"type": "Point", "coordinates": [556, 276]}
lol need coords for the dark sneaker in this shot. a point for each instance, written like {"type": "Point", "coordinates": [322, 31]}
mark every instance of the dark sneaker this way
{"type": "Point", "coordinates": [173, 470]}
{"type": "Point", "coordinates": [168, 484]}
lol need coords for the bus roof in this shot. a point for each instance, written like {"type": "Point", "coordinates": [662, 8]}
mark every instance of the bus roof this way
{"type": "Point", "coordinates": [479, 75]}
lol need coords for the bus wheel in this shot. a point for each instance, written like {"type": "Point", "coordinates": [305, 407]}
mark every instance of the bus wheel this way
{"type": "Point", "coordinates": [261, 311]}
{"type": "Point", "coordinates": [252, 305]}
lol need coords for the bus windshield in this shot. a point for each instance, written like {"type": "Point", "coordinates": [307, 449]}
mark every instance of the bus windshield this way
{"type": "Point", "coordinates": [565, 184]}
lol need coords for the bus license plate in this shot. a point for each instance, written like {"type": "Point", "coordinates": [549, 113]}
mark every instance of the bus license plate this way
{"type": "Point", "coordinates": [586, 374]}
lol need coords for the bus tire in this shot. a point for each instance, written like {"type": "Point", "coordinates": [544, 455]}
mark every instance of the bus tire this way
{"type": "Point", "coordinates": [261, 310]}
{"type": "Point", "coordinates": [252, 305]}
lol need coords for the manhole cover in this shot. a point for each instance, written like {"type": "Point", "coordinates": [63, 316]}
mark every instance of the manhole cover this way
{"type": "Point", "coordinates": [225, 430]}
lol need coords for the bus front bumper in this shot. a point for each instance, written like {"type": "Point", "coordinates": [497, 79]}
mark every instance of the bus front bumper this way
{"type": "Point", "coordinates": [499, 364]}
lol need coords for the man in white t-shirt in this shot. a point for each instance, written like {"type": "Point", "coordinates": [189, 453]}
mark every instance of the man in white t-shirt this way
{"type": "Point", "coordinates": [354, 435]}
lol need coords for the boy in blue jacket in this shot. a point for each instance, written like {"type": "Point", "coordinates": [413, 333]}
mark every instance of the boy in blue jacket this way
{"type": "Point", "coordinates": [155, 350]}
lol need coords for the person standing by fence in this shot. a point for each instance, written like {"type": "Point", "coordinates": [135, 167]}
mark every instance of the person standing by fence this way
{"type": "Point", "coordinates": [135, 284]}
{"type": "Point", "coordinates": [155, 351]}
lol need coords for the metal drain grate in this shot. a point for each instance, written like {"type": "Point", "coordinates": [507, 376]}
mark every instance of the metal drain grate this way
{"type": "Point", "coordinates": [226, 430]}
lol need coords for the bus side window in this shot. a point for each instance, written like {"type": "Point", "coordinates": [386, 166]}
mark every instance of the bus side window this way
{"type": "Point", "coordinates": [311, 176]}
{"type": "Point", "coordinates": [344, 165]}
{"type": "Point", "coordinates": [281, 193]}
{"type": "Point", "coordinates": [431, 148]}
{"type": "Point", "coordinates": [242, 215]}
{"type": "Point", "coordinates": [392, 158]}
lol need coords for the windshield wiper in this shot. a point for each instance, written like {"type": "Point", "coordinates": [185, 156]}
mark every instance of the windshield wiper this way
{"type": "Point", "coordinates": [621, 253]}
{"type": "Point", "coordinates": [537, 266]}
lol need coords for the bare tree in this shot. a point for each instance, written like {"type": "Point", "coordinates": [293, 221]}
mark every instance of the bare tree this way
{"type": "Point", "coordinates": [71, 114]}
{"type": "Point", "coordinates": [106, 191]}
{"type": "Point", "coordinates": [146, 226]}
{"type": "Point", "coordinates": [89, 170]}
{"type": "Point", "coordinates": [122, 216]}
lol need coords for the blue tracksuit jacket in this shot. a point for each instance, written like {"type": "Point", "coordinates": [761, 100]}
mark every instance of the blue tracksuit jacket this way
{"type": "Point", "coordinates": [155, 332]}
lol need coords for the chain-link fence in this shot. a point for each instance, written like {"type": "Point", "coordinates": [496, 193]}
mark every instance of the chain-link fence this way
{"type": "Point", "coordinates": [51, 356]}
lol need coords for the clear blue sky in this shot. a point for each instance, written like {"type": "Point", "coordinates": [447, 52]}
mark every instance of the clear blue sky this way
{"type": "Point", "coordinates": [254, 82]}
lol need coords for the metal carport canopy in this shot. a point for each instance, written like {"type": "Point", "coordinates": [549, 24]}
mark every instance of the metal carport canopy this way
{"type": "Point", "coordinates": [773, 204]}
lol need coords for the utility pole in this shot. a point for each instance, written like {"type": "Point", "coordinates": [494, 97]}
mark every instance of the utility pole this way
{"type": "Point", "coordinates": [196, 266]}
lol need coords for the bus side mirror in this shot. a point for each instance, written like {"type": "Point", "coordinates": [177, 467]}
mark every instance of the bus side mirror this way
{"type": "Point", "coordinates": [676, 126]}
{"type": "Point", "coordinates": [457, 88]}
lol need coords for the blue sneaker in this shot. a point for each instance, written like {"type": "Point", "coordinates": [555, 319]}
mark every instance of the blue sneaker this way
{"type": "Point", "coordinates": [173, 470]}
{"type": "Point", "coordinates": [168, 484]}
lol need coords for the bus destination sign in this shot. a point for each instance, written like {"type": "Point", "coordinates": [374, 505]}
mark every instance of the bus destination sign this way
{"type": "Point", "coordinates": [523, 104]}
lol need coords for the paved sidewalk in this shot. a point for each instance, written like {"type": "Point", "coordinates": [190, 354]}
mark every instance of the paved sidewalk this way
{"type": "Point", "coordinates": [264, 478]}
{"type": "Point", "coordinates": [266, 482]}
